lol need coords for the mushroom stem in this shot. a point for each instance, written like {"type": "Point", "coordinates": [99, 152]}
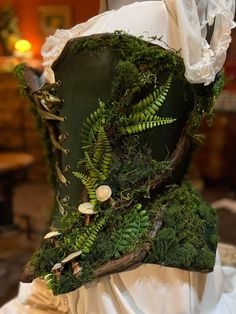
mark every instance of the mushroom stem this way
{"type": "Point", "coordinates": [76, 268]}
{"type": "Point", "coordinates": [57, 273]}
{"type": "Point", "coordinates": [111, 202]}
{"type": "Point", "coordinates": [54, 241]}
{"type": "Point", "coordinates": [87, 220]}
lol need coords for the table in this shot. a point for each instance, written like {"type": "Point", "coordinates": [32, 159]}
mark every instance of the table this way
{"type": "Point", "coordinates": [11, 164]}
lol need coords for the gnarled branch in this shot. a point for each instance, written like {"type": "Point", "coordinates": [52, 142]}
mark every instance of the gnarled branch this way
{"type": "Point", "coordinates": [135, 257]}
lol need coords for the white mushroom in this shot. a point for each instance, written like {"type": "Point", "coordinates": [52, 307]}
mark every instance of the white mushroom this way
{"type": "Point", "coordinates": [76, 268]}
{"type": "Point", "coordinates": [86, 209]}
{"type": "Point", "coordinates": [56, 269]}
{"type": "Point", "coordinates": [52, 236]}
{"type": "Point", "coordinates": [103, 193]}
{"type": "Point", "coordinates": [71, 257]}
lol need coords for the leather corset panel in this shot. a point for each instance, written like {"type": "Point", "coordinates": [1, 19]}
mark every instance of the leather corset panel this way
{"type": "Point", "coordinates": [119, 123]}
{"type": "Point", "coordinates": [87, 77]}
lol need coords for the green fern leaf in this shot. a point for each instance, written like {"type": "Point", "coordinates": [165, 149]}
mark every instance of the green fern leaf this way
{"type": "Point", "coordinates": [144, 125]}
{"type": "Point", "coordinates": [103, 153]}
{"type": "Point", "coordinates": [127, 236]}
{"type": "Point", "coordinates": [92, 123]}
{"type": "Point", "coordinates": [151, 104]}
{"type": "Point", "coordinates": [90, 184]}
{"type": "Point", "coordinates": [93, 171]}
{"type": "Point", "coordinates": [87, 239]}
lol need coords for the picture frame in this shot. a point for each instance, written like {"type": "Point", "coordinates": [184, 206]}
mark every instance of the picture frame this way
{"type": "Point", "coordinates": [53, 17]}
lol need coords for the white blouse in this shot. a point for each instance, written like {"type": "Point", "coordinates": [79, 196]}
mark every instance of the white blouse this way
{"type": "Point", "coordinates": [149, 289]}
{"type": "Point", "coordinates": [181, 25]}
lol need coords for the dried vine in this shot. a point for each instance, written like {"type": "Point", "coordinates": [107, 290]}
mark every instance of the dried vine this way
{"type": "Point", "coordinates": [135, 257]}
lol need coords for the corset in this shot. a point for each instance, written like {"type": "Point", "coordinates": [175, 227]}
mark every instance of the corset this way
{"type": "Point", "coordinates": [119, 125]}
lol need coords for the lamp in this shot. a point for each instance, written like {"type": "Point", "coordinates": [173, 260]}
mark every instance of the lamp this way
{"type": "Point", "coordinates": [23, 49]}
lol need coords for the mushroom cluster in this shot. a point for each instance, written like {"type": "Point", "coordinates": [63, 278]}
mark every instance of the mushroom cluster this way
{"type": "Point", "coordinates": [103, 194]}
{"type": "Point", "coordinates": [73, 260]}
{"type": "Point", "coordinates": [75, 266]}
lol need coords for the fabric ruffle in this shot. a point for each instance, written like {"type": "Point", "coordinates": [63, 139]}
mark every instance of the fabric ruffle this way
{"type": "Point", "coordinates": [54, 44]}
{"type": "Point", "coordinates": [202, 60]}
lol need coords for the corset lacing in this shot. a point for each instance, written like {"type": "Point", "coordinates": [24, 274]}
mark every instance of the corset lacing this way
{"type": "Point", "coordinates": [48, 106]}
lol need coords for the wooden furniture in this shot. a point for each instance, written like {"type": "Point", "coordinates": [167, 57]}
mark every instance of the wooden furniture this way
{"type": "Point", "coordinates": [10, 165]}
{"type": "Point", "coordinates": [17, 127]}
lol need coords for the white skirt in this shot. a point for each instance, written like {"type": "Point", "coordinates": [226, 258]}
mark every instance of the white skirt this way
{"type": "Point", "coordinates": [147, 289]}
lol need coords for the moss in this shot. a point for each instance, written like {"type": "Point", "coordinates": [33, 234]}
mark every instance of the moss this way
{"type": "Point", "coordinates": [188, 237]}
{"type": "Point", "coordinates": [19, 75]}
{"type": "Point", "coordinates": [205, 258]}
{"type": "Point", "coordinates": [135, 51]}
{"type": "Point", "coordinates": [205, 98]}
{"type": "Point", "coordinates": [133, 165]}
{"type": "Point", "coordinates": [189, 228]}
{"type": "Point", "coordinates": [44, 259]}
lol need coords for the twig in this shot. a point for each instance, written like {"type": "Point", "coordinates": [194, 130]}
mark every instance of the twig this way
{"type": "Point", "coordinates": [135, 257]}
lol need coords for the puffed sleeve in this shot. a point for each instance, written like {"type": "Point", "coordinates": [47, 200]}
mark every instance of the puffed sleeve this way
{"type": "Point", "coordinates": [35, 298]}
{"type": "Point", "coordinates": [203, 60]}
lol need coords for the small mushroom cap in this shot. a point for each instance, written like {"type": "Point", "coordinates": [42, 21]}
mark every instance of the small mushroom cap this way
{"type": "Point", "coordinates": [103, 193]}
{"type": "Point", "coordinates": [71, 257]}
{"type": "Point", "coordinates": [86, 208]}
{"type": "Point", "coordinates": [57, 266]}
{"type": "Point", "coordinates": [52, 234]}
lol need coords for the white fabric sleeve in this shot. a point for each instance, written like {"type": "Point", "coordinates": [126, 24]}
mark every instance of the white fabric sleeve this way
{"type": "Point", "coordinates": [35, 298]}
{"type": "Point", "coordinates": [203, 60]}
{"type": "Point", "coordinates": [185, 22]}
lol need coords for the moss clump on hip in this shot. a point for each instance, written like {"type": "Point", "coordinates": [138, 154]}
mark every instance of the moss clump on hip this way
{"type": "Point", "coordinates": [189, 237]}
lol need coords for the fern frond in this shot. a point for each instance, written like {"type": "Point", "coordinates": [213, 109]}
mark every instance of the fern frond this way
{"type": "Point", "coordinates": [87, 239]}
{"type": "Point", "coordinates": [144, 125]}
{"type": "Point", "coordinates": [151, 104]}
{"type": "Point", "coordinates": [19, 75]}
{"type": "Point", "coordinates": [91, 125]}
{"type": "Point", "coordinates": [136, 226]}
{"type": "Point", "coordinates": [48, 279]}
{"type": "Point", "coordinates": [103, 153]}
{"type": "Point", "coordinates": [93, 171]}
{"type": "Point", "coordinates": [90, 185]}
{"type": "Point", "coordinates": [107, 156]}
{"type": "Point", "coordinates": [99, 147]}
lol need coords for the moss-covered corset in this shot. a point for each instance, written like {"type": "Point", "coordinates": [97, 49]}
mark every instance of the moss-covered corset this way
{"type": "Point", "coordinates": [120, 121]}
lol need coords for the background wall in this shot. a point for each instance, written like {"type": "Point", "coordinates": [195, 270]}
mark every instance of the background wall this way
{"type": "Point", "coordinates": [27, 12]}
{"type": "Point", "coordinates": [17, 125]}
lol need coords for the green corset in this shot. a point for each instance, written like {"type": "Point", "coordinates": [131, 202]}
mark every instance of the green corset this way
{"type": "Point", "coordinates": [119, 125]}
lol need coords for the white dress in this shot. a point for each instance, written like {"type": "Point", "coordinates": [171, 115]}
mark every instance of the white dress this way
{"type": "Point", "coordinates": [149, 289]}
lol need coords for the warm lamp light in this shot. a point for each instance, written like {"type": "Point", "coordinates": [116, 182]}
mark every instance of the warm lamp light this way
{"type": "Point", "coordinates": [23, 49]}
{"type": "Point", "coordinates": [23, 45]}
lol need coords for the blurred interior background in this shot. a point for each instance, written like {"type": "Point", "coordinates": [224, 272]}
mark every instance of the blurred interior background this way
{"type": "Point", "coordinates": [25, 196]}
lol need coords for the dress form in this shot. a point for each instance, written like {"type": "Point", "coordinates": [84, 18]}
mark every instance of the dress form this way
{"type": "Point", "coordinates": [123, 293]}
